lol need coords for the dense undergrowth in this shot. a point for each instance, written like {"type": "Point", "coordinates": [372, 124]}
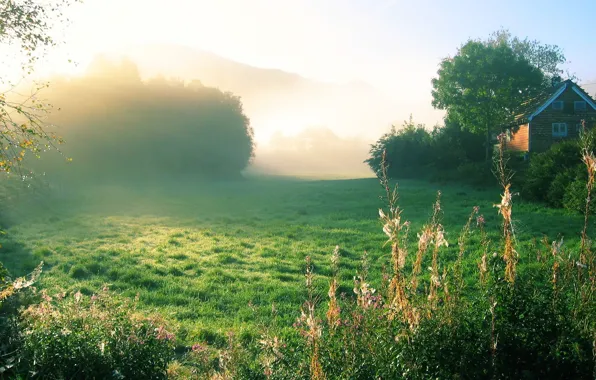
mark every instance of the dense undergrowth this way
{"type": "Point", "coordinates": [426, 314]}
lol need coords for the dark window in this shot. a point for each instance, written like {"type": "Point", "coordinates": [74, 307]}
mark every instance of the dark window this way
{"type": "Point", "coordinates": [579, 105]}
{"type": "Point", "coordinates": [559, 129]}
{"type": "Point", "coordinates": [558, 105]}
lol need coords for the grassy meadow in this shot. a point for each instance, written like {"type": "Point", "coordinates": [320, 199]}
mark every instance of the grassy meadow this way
{"type": "Point", "coordinates": [216, 257]}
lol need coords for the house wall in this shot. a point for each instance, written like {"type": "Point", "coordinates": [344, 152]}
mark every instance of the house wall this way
{"type": "Point", "coordinates": [541, 125]}
{"type": "Point", "coordinates": [519, 139]}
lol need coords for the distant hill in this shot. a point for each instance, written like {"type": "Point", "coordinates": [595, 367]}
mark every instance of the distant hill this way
{"type": "Point", "coordinates": [273, 99]}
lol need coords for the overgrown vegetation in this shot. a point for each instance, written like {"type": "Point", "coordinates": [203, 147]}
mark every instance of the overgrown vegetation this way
{"type": "Point", "coordinates": [68, 336]}
{"type": "Point", "coordinates": [445, 153]}
{"type": "Point", "coordinates": [508, 324]}
{"type": "Point", "coordinates": [476, 308]}
{"type": "Point", "coordinates": [558, 177]}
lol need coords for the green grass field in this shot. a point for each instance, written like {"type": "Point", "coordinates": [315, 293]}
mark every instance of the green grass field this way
{"type": "Point", "coordinates": [212, 258]}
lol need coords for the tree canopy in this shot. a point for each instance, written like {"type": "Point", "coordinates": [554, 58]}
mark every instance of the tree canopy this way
{"type": "Point", "coordinates": [547, 58]}
{"type": "Point", "coordinates": [484, 85]}
{"type": "Point", "coordinates": [120, 128]}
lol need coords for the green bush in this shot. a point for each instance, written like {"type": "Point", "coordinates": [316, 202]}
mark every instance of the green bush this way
{"type": "Point", "coordinates": [575, 195]}
{"type": "Point", "coordinates": [93, 337]}
{"type": "Point", "coordinates": [551, 175]}
{"type": "Point", "coordinates": [445, 153]}
{"type": "Point", "coordinates": [407, 151]}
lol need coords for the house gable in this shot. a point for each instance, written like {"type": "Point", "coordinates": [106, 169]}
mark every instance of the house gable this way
{"type": "Point", "coordinates": [541, 124]}
{"type": "Point", "coordinates": [567, 85]}
{"type": "Point", "coordinates": [552, 125]}
{"type": "Point", "coordinates": [548, 102]}
{"type": "Point", "coordinates": [585, 97]}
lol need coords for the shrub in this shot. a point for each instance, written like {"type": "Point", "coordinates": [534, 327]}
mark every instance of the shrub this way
{"type": "Point", "coordinates": [551, 175]}
{"type": "Point", "coordinates": [408, 151]}
{"type": "Point", "coordinates": [445, 153]}
{"type": "Point", "coordinates": [76, 336]}
{"type": "Point", "coordinates": [574, 198]}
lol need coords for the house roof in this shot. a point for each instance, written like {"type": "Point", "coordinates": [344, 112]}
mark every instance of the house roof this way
{"type": "Point", "coordinates": [533, 107]}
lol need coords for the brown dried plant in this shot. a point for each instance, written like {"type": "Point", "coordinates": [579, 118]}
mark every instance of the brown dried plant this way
{"type": "Point", "coordinates": [333, 310]}
{"type": "Point", "coordinates": [438, 240]}
{"type": "Point", "coordinates": [484, 242]}
{"type": "Point", "coordinates": [311, 326]}
{"type": "Point", "coordinates": [396, 230]}
{"type": "Point", "coordinates": [505, 207]}
{"type": "Point", "coordinates": [9, 288]}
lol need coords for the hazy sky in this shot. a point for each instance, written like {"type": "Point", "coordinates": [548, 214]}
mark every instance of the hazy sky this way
{"type": "Point", "coordinates": [394, 45]}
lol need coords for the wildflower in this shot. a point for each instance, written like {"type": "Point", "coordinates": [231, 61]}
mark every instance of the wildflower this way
{"type": "Point", "coordinates": [198, 348]}
{"type": "Point", "coordinates": [335, 258]}
{"type": "Point", "coordinates": [480, 221]}
{"type": "Point", "coordinates": [163, 334]}
{"type": "Point", "coordinates": [556, 247]}
{"type": "Point", "coordinates": [440, 237]}
{"type": "Point", "coordinates": [45, 296]}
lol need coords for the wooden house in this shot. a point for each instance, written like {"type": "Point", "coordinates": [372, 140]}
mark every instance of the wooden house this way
{"type": "Point", "coordinates": [553, 116]}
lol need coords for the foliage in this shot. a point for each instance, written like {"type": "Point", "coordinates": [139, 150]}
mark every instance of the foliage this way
{"type": "Point", "coordinates": [547, 58]}
{"type": "Point", "coordinates": [484, 85]}
{"type": "Point", "coordinates": [28, 26]}
{"type": "Point", "coordinates": [124, 130]}
{"type": "Point", "coordinates": [408, 150]}
{"type": "Point", "coordinates": [445, 153]}
{"type": "Point", "coordinates": [557, 176]}
{"type": "Point", "coordinates": [77, 336]}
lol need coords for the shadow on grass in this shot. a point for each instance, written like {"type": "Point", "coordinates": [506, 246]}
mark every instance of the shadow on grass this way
{"type": "Point", "coordinates": [16, 258]}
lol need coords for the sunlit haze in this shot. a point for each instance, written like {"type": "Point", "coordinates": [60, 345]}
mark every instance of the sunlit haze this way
{"type": "Point", "coordinates": [383, 53]}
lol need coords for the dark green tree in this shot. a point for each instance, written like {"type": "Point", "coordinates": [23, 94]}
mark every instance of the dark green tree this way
{"type": "Point", "coordinates": [408, 150]}
{"type": "Point", "coordinates": [158, 130]}
{"type": "Point", "coordinates": [484, 85]}
{"type": "Point", "coordinates": [545, 57]}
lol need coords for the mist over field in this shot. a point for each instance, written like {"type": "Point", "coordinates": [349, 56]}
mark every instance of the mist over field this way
{"type": "Point", "coordinates": [300, 127]}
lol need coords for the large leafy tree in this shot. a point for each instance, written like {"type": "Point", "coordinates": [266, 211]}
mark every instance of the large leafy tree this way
{"type": "Point", "coordinates": [547, 58]}
{"type": "Point", "coordinates": [27, 27]}
{"type": "Point", "coordinates": [484, 85]}
{"type": "Point", "coordinates": [158, 130]}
